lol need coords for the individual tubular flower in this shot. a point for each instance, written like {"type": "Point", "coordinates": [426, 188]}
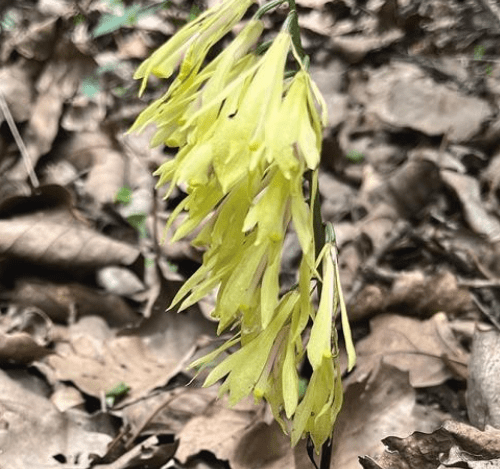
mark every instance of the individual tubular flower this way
{"type": "Point", "coordinates": [296, 130]}
{"type": "Point", "coordinates": [188, 48]}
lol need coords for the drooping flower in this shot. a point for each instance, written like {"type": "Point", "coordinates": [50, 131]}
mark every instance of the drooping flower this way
{"type": "Point", "coordinates": [246, 137]}
{"type": "Point", "coordinates": [188, 48]}
{"type": "Point", "coordinates": [184, 98]}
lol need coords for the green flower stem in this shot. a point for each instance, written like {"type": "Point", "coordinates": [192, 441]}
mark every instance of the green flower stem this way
{"type": "Point", "coordinates": [267, 7]}
{"type": "Point", "coordinates": [295, 32]}
{"type": "Point", "coordinates": [318, 225]}
{"type": "Point", "coordinates": [319, 242]}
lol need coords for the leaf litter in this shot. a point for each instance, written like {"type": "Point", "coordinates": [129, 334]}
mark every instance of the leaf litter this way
{"type": "Point", "coordinates": [412, 92]}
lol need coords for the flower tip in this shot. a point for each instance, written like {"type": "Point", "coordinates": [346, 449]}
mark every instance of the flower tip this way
{"type": "Point", "coordinates": [258, 394]}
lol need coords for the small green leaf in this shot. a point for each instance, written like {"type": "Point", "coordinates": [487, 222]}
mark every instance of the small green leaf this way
{"type": "Point", "coordinates": [115, 3]}
{"type": "Point", "coordinates": [108, 24]}
{"type": "Point", "coordinates": [124, 195]}
{"type": "Point", "coordinates": [355, 156]}
{"type": "Point", "coordinates": [479, 52]}
{"type": "Point", "coordinates": [90, 86]}
{"type": "Point", "coordinates": [194, 13]}
{"type": "Point", "coordinates": [120, 390]}
{"type": "Point", "coordinates": [111, 23]}
{"type": "Point", "coordinates": [138, 221]}
{"type": "Point", "coordinates": [77, 19]}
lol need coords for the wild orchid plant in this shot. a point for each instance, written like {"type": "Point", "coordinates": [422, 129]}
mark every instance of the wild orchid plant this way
{"type": "Point", "coordinates": [248, 133]}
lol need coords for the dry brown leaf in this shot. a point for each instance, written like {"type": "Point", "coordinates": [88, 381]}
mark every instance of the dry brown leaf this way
{"type": "Point", "coordinates": [172, 409]}
{"type": "Point", "coordinates": [38, 41]}
{"type": "Point", "coordinates": [469, 193]}
{"type": "Point", "coordinates": [355, 48]}
{"type": "Point", "coordinates": [58, 82]}
{"type": "Point", "coordinates": [380, 406]}
{"type": "Point", "coordinates": [16, 85]}
{"type": "Point", "coordinates": [145, 357]}
{"type": "Point", "coordinates": [95, 151]}
{"type": "Point", "coordinates": [402, 95]}
{"type": "Point", "coordinates": [67, 302]}
{"type": "Point", "coordinates": [483, 385]}
{"type": "Point", "coordinates": [419, 294]}
{"type": "Point", "coordinates": [420, 347]}
{"type": "Point", "coordinates": [264, 446]}
{"type": "Point", "coordinates": [455, 444]}
{"type": "Point", "coordinates": [19, 347]}
{"type": "Point", "coordinates": [317, 21]}
{"type": "Point", "coordinates": [61, 241]}
{"type": "Point", "coordinates": [413, 293]}
{"type": "Point", "coordinates": [313, 3]}
{"type": "Point", "coordinates": [220, 430]}
{"type": "Point", "coordinates": [33, 431]}
{"type": "Point", "coordinates": [491, 176]}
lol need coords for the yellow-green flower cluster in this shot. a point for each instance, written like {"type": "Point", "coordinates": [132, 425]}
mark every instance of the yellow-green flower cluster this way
{"type": "Point", "coordinates": [246, 136]}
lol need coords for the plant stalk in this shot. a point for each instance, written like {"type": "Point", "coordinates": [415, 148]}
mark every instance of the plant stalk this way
{"type": "Point", "coordinates": [319, 242]}
{"type": "Point", "coordinates": [318, 225]}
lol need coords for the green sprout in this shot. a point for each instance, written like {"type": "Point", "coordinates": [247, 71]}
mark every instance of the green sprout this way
{"type": "Point", "coordinates": [110, 23]}
{"type": "Point", "coordinates": [355, 156]}
{"type": "Point", "coordinates": [77, 19]}
{"type": "Point", "coordinates": [138, 221]}
{"type": "Point", "coordinates": [116, 393]}
{"type": "Point", "coordinates": [479, 52]}
{"type": "Point", "coordinates": [194, 12]}
{"type": "Point", "coordinates": [124, 195]}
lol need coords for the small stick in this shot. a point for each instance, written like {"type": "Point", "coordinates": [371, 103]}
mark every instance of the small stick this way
{"type": "Point", "coordinates": [19, 141]}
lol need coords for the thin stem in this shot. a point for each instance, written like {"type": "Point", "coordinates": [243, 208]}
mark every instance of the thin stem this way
{"type": "Point", "coordinates": [326, 454]}
{"type": "Point", "coordinates": [319, 242]}
{"type": "Point", "coordinates": [292, 24]}
{"type": "Point", "coordinates": [295, 31]}
{"type": "Point", "coordinates": [267, 7]}
{"type": "Point", "coordinates": [318, 225]}
{"type": "Point", "coordinates": [19, 141]}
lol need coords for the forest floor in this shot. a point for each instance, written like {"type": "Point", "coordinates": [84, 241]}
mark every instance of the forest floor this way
{"type": "Point", "coordinates": [93, 370]}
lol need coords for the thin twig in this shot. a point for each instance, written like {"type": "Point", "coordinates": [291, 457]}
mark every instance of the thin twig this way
{"type": "Point", "coordinates": [174, 395]}
{"type": "Point", "coordinates": [19, 141]}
